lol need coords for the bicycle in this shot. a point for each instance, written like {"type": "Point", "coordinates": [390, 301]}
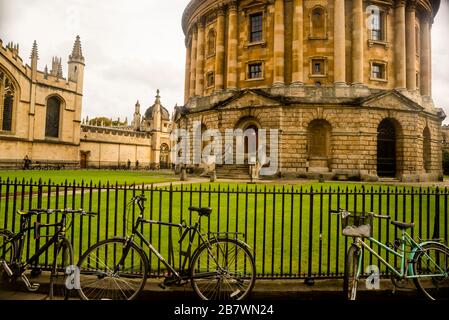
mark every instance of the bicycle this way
{"type": "Point", "coordinates": [427, 262]}
{"type": "Point", "coordinates": [12, 246]}
{"type": "Point", "coordinates": [220, 267]}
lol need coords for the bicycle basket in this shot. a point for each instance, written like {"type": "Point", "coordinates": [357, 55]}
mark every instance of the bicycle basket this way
{"type": "Point", "coordinates": [357, 225]}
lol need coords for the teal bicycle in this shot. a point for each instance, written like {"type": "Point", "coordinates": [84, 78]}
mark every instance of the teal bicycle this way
{"type": "Point", "coordinates": [426, 262]}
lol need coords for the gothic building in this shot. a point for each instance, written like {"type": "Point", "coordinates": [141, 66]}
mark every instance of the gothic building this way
{"type": "Point", "coordinates": [347, 83]}
{"type": "Point", "coordinates": [40, 111]}
{"type": "Point", "coordinates": [40, 118]}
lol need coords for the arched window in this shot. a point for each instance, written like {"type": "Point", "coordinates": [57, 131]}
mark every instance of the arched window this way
{"type": "Point", "coordinates": [211, 42]}
{"type": "Point", "coordinates": [7, 94]}
{"type": "Point", "coordinates": [318, 23]}
{"type": "Point", "coordinates": [426, 149]}
{"type": "Point", "coordinates": [52, 117]}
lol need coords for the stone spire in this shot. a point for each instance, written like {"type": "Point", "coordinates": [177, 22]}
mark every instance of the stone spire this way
{"type": "Point", "coordinates": [34, 57]}
{"type": "Point", "coordinates": [59, 74]}
{"type": "Point", "coordinates": [34, 51]}
{"type": "Point", "coordinates": [158, 97]}
{"type": "Point", "coordinates": [77, 54]}
{"type": "Point", "coordinates": [137, 121]}
{"type": "Point", "coordinates": [56, 67]}
{"type": "Point", "coordinates": [14, 48]}
{"type": "Point", "coordinates": [157, 112]}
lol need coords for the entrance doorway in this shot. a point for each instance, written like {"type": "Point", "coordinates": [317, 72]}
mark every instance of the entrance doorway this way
{"type": "Point", "coordinates": [386, 149]}
{"type": "Point", "coordinates": [84, 157]}
{"type": "Point", "coordinates": [253, 136]}
{"type": "Point", "coordinates": [164, 162]}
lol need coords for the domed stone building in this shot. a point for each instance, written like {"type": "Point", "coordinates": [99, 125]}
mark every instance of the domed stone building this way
{"type": "Point", "coordinates": [347, 83]}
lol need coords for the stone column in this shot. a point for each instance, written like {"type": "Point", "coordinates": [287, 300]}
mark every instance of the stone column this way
{"type": "Point", "coordinates": [399, 48]}
{"type": "Point", "coordinates": [188, 70]}
{"type": "Point", "coordinates": [278, 43]}
{"type": "Point", "coordinates": [425, 57]}
{"type": "Point", "coordinates": [339, 43]}
{"type": "Point", "coordinates": [411, 46]}
{"type": "Point", "coordinates": [297, 45]}
{"type": "Point", "coordinates": [220, 50]}
{"type": "Point", "coordinates": [193, 61]}
{"type": "Point", "coordinates": [231, 72]}
{"type": "Point", "coordinates": [199, 87]}
{"type": "Point", "coordinates": [358, 30]}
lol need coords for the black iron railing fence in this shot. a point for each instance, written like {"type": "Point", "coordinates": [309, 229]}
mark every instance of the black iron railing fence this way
{"type": "Point", "coordinates": [289, 228]}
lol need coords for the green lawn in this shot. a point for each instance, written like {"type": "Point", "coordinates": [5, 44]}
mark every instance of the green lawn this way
{"type": "Point", "coordinates": [280, 227]}
{"type": "Point", "coordinates": [119, 176]}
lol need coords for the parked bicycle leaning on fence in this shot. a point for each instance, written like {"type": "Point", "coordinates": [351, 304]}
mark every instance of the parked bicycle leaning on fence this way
{"type": "Point", "coordinates": [12, 264]}
{"type": "Point", "coordinates": [424, 261]}
{"type": "Point", "coordinates": [220, 267]}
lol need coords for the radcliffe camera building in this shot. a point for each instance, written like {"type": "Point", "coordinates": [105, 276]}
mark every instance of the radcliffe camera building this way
{"type": "Point", "coordinates": [348, 83]}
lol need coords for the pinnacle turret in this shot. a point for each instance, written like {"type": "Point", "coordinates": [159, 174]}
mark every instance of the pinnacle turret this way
{"type": "Point", "coordinates": [158, 97]}
{"type": "Point", "coordinates": [34, 51]}
{"type": "Point", "coordinates": [77, 54]}
{"type": "Point", "coordinates": [56, 67]}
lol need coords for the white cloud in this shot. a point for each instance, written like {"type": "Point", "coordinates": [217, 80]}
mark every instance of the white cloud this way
{"type": "Point", "coordinates": [131, 48]}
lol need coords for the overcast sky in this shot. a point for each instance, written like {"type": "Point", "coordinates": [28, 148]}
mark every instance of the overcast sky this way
{"type": "Point", "coordinates": [134, 47]}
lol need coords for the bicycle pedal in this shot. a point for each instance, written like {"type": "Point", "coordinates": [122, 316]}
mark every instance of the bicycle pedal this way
{"type": "Point", "coordinates": [34, 287]}
{"type": "Point", "coordinates": [30, 286]}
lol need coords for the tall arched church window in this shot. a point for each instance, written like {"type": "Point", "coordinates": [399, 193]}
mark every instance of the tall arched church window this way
{"type": "Point", "coordinates": [211, 42]}
{"type": "Point", "coordinates": [52, 117]}
{"type": "Point", "coordinates": [7, 95]}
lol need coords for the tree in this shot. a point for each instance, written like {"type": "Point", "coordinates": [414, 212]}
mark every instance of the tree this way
{"type": "Point", "coordinates": [106, 122]}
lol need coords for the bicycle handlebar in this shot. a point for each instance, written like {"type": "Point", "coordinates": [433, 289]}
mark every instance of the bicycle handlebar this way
{"type": "Point", "coordinates": [65, 211]}
{"type": "Point", "coordinates": [339, 212]}
{"type": "Point", "coordinates": [138, 198]}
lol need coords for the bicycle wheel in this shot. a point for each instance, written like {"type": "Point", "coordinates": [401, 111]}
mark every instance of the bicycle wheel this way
{"type": "Point", "coordinates": [352, 273]}
{"type": "Point", "coordinates": [223, 270]}
{"type": "Point", "coordinates": [59, 290]}
{"type": "Point", "coordinates": [431, 264]}
{"type": "Point", "coordinates": [7, 253]}
{"type": "Point", "coordinates": [112, 270]}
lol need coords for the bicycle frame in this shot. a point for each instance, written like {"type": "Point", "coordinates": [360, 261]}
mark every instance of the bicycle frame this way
{"type": "Point", "coordinates": [189, 230]}
{"type": "Point", "coordinates": [20, 239]}
{"type": "Point", "coordinates": [403, 272]}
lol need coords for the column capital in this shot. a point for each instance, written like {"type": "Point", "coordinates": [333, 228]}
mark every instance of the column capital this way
{"type": "Point", "coordinates": [221, 10]}
{"type": "Point", "coordinates": [193, 29]}
{"type": "Point", "coordinates": [200, 22]}
{"type": "Point", "coordinates": [232, 5]}
{"type": "Point", "coordinates": [426, 18]}
{"type": "Point", "coordinates": [400, 3]}
{"type": "Point", "coordinates": [411, 5]}
{"type": "Point", "coordinates": [188, 40]}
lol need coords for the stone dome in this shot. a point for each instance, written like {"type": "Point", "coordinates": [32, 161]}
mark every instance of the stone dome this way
{"type": "Point", "coordinates": [165, 115]}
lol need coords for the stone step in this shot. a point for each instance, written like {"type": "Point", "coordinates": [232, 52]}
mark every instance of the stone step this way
{"type": "Point", "coordinates": [233, 172]}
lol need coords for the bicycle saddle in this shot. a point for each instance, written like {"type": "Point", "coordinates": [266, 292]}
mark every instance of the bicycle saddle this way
{"type": "Point", "coordinates": [206, 211]}
{"type": "Point", "coordinates": [402, 225]}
